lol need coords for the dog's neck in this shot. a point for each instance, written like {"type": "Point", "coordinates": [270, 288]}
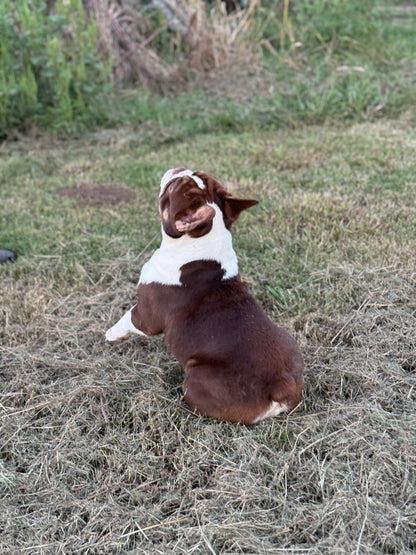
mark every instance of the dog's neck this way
{"type": "Point", "coordinates": [165, 264]}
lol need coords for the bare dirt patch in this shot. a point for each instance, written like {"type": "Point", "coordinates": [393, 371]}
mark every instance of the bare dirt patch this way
{"type": "Point", "coordinates": [98, 194]}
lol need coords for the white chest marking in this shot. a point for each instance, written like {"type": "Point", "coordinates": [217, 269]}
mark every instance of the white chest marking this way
{"type": "Point", "coordinates": [164, 266]}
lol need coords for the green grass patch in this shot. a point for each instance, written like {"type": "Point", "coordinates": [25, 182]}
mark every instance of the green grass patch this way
{"type": "Point", "coordinates": [339, 62]}
{"type": "Point", "coordinates": [342, 61]}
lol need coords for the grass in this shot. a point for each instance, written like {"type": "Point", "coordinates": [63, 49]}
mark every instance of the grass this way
{"type": "Point", "coordinates": [335, 62]}
{"type": "Point", "coordinates": [98, 452]}
{"type": "Point", "coordinates": [331, 62]}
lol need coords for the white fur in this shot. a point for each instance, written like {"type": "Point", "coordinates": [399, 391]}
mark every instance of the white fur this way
{"type": "Point", "coordinates": [169, 175]}
{"type": "Point", "coordinates": [123, 329]}
{"type": "Point", "coordinates": [274, 409]}
{"type": "Point", "coordinates": [164, 266]}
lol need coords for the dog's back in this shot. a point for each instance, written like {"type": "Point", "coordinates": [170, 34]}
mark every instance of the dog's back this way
{"type": "Point", "coordinates": [239, 366]}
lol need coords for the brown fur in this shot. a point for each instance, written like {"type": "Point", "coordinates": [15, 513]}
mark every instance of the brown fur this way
{"type": "Point", "coordinates": [236, 360]}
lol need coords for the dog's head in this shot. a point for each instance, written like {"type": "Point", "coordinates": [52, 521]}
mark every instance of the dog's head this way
{"type": "Point", "coordinates": [187, 200]}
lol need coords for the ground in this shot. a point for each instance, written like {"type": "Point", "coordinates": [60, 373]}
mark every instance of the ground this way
{"type": "Point", "coordinates": [97, 193]}
{"type": "Point", "coordinates": [99, 453]}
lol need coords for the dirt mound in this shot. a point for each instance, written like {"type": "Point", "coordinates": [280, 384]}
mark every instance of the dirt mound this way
{"type": "Point", "coordinates": [97, 194]}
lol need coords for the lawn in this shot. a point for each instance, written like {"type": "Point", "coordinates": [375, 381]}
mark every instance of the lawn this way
{"type": "Point", "coordinates": [99, 453]}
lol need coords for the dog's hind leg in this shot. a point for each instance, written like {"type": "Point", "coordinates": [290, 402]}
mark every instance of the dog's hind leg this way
{"type": "Point", "coordinates": [123, 329]}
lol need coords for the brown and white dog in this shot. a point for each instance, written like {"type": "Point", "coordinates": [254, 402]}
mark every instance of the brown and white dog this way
{"type": "Point", "coordinates": [238, 365]}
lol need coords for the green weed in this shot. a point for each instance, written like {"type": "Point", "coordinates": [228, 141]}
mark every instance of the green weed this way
{"type": "Point", "coordinates": [50, 68]}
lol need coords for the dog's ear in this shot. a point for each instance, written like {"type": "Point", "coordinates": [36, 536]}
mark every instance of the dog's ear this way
{"type": "Point", "coordinates": [231, 206]}
{"type": "Point", "coordinates": [234, 206]}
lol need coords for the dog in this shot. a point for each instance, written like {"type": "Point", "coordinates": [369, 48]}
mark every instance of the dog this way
{"type": "Point", "coordinates": [239, 366]}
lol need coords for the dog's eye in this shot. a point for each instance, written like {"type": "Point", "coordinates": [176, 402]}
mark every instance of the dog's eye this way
{"type": "Point", "coordinates": [194, 194]}
{"type": "Point", "coordinates": [194, 204]}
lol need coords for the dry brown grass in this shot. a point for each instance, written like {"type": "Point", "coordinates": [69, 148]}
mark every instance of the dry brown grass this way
{"type": "Point", "coordinates": [100, 455]}
{"type": "Point", "coordinates": [200, 39]}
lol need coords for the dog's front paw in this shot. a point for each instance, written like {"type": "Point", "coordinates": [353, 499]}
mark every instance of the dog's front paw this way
{"type": "Point", "coordinates": [123, 329]}
{"type": "Point", "coordinates": [116, 334]}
